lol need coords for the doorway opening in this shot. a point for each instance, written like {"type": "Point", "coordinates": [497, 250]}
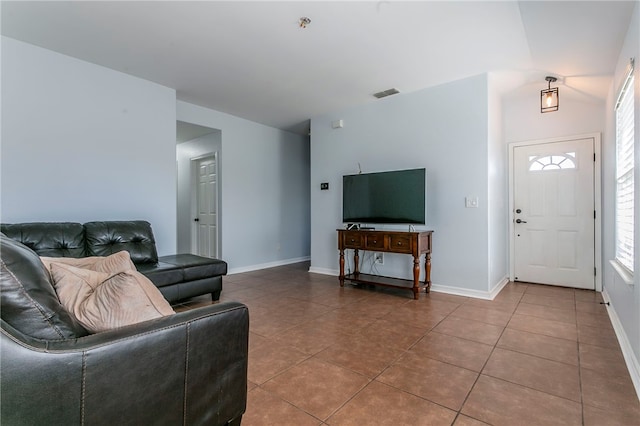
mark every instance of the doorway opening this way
{"type": "Point", "coordinates": [198, 150]}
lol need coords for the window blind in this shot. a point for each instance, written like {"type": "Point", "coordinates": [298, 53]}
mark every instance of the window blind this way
{"type": "Point", "coordinates": [625, 174]}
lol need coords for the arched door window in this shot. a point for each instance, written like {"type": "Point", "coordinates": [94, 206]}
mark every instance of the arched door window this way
{"type": "Point", "coordinates": [552, 162]}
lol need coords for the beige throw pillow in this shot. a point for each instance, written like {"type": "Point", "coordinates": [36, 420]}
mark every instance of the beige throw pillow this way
{"type": "Point", "coordinates": [105, 300]}
{"type": "Point", "coordinates": [117, 262]}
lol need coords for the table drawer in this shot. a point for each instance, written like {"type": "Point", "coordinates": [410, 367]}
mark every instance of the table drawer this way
{"type": "Point", "coordinates": [353, 240]}
{"type": "Point", "coordinates": [399, 244]}
{"type": "Point", "coordinates": [373, 241]}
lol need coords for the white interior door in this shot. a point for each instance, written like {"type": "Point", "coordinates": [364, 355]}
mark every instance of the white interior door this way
{"type": "Point", "coordinates": [553, 193]}
{"type": "Point", "coordinates": [206, 219]}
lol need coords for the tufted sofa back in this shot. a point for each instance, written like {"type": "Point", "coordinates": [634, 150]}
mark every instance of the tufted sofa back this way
{"type": "Point", "coordinates": [136, 237]}
{"type": "Point", "coordinates": [57, 239]}
{"type": "Point", "coordinates": [70, 239]}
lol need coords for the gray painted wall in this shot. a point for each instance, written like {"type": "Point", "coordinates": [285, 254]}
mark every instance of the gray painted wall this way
{"type": "Point", "coordinates": [445, 130]}
{"type": "Point", "coordinates": [81, 142]}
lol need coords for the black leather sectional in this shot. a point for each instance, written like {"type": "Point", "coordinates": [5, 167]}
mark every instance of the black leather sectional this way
{"type": "Point", "coordinates": [189, 368]}
{"type": "Point", "coordinates": [177, 276]}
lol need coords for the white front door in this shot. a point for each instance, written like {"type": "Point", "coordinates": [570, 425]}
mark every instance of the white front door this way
{"type": "Point", "coordinates": [553, 194]}
{"type": "Point", "coordinates": [207, 207]}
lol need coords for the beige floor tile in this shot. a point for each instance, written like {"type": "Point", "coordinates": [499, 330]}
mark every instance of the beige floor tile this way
{"type": "Point", "coordinates": [396, 338]}
{"type": "Point", "coordinates": [316, 386]}
{"type": "Point", "coordinates": [552, 348]}
{"type": "Point", "coordinates": [453, 350]}
{"type": "Point", "coordinates": [382, 405]}
{"type": "Point", "coordinates": [537, 299]}
{"type": "Point", "coordinates": [609, 361]}
{"type": "Point", "coordinates": [609, 393]}
{"type": "Point", "coordinates": [255, 341]}
{"type": "Point", "coordinates": [436, 305]}
{"type": "Point", "coordinates": [370, 362]}
{"type": "Point", "coordinates": [264, 408]}
{"type": "Point", "coordinates": [463, 420]}
{"type": "Point", "coordinates": [271, 359]}
{"type": "Point", "coordinates": [490, 316]}
{"type": "Point", "coordinates": [591, 307]}
{"type": "Point", "coordinates": [501, 403]}
{"type": "Point", "coordinates": [308, 340]}
{"type": "Point", "coordinates": [588, 296]}
{"type": "Point", "coordinates": [470, 330]}
{"type": "Point", "coordinates": [543, 326]}
{"type": "Point", "coordinates": [547, 376]}
{"type": "Point", "coordinates": [501, 305]}
{"type": "Point", "coordinates": [598, 417]}
{"type": "Point", "coordinates": [597, 336]}
{"type": "Point", "coordinates": [547, 312]}
{"type": "Point", "coordinates": [593, 319]}
{"type": "Point", "coordinates": [417, 315]}
{"type": "Point", "coordinates": [442, 383]}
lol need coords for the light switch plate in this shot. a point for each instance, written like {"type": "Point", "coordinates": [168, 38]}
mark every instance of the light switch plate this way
{"type": "Point", "coordinates": [471, 202]}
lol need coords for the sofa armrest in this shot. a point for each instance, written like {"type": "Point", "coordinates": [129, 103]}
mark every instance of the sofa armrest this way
{"type": "Point", "coordinates": [188, 368]}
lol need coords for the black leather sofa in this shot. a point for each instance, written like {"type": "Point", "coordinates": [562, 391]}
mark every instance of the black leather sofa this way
{"type": "Point", "coordinates": [189, 368]}
{"type": "Point", "coordinates": [177, 276]}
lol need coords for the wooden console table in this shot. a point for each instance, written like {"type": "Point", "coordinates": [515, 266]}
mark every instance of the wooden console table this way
{"type": "Point", "coordinates": [413, 243]}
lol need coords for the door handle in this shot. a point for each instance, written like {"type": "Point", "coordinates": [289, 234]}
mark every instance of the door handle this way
{"type": "Point", "coordinates": [520, 221]}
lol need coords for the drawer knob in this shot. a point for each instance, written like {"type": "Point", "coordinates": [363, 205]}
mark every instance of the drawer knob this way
{"type": "Point", "coordinates": [399, 243]}
{"type": "Point", "coordinates": [352, 240]}
{"type": "Point", "coordinates": [375, 241]}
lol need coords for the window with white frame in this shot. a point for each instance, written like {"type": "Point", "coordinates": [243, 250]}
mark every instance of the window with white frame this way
{"type": "Point", "coordinates": [624, 222]}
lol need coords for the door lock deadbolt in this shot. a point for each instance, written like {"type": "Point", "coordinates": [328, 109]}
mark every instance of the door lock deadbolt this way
{"type": "Point", "coordinates": [518, 211]}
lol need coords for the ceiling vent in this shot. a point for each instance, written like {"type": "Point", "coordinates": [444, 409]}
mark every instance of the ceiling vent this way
{"type": "Point", "coordinates": [386, 93]}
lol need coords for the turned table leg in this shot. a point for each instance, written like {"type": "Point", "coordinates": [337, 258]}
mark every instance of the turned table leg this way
{"type": "Point", "coordinates": [427, 269]}
{"type": "Point", "coordinates": [341, 276]}
{"type": "Point", "coordinates": [356, 261]}
{"type": "Point", "coordinates": [416, 277]}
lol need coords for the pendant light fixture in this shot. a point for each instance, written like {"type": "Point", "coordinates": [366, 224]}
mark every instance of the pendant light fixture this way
{"type": "Point", "coordinates": [549, 98]}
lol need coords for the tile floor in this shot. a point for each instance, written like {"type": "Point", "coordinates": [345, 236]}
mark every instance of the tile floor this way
{"type": "Point", "coordinates": [324, 355]}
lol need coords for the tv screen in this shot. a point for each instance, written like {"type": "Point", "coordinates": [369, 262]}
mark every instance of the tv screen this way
{"type": "Point", "coordinates": [396, 197]}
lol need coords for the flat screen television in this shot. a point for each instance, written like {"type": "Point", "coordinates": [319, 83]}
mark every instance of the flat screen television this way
{"type": "Point", "coordinates": [395, 197]}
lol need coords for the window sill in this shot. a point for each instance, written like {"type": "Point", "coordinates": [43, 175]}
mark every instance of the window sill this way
{"type": "Point", "coordinates": [624, 273]}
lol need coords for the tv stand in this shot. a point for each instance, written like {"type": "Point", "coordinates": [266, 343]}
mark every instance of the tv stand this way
{"type": "Point", "coordinates": [413, 243]}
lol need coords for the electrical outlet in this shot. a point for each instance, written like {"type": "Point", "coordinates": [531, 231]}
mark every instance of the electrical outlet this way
{"type": "Point", "coordinates": [379, 258]}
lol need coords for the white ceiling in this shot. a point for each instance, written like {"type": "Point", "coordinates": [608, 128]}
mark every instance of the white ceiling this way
{"type": "Point", "coordinates": [252, 60]}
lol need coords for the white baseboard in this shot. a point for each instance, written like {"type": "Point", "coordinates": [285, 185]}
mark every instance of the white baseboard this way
{"type": "Point", "coordinates": [458, 291]}
{"type": "Point", "coordinates": [267, 265]}
{"type": "Point", "coordinates": [324, 271]}
{"type": "Point", "coordinates": [477, 294]}
{"type": "Point", "coordinates": [498, 287]}
{"type": "Point", "coordinates": [627, 351]}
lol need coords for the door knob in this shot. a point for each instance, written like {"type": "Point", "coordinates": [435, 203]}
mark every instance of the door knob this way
{"type": "Point", "coordinates": [196, 220]}
{"type": "Point", "coordinates": [520, 221]}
